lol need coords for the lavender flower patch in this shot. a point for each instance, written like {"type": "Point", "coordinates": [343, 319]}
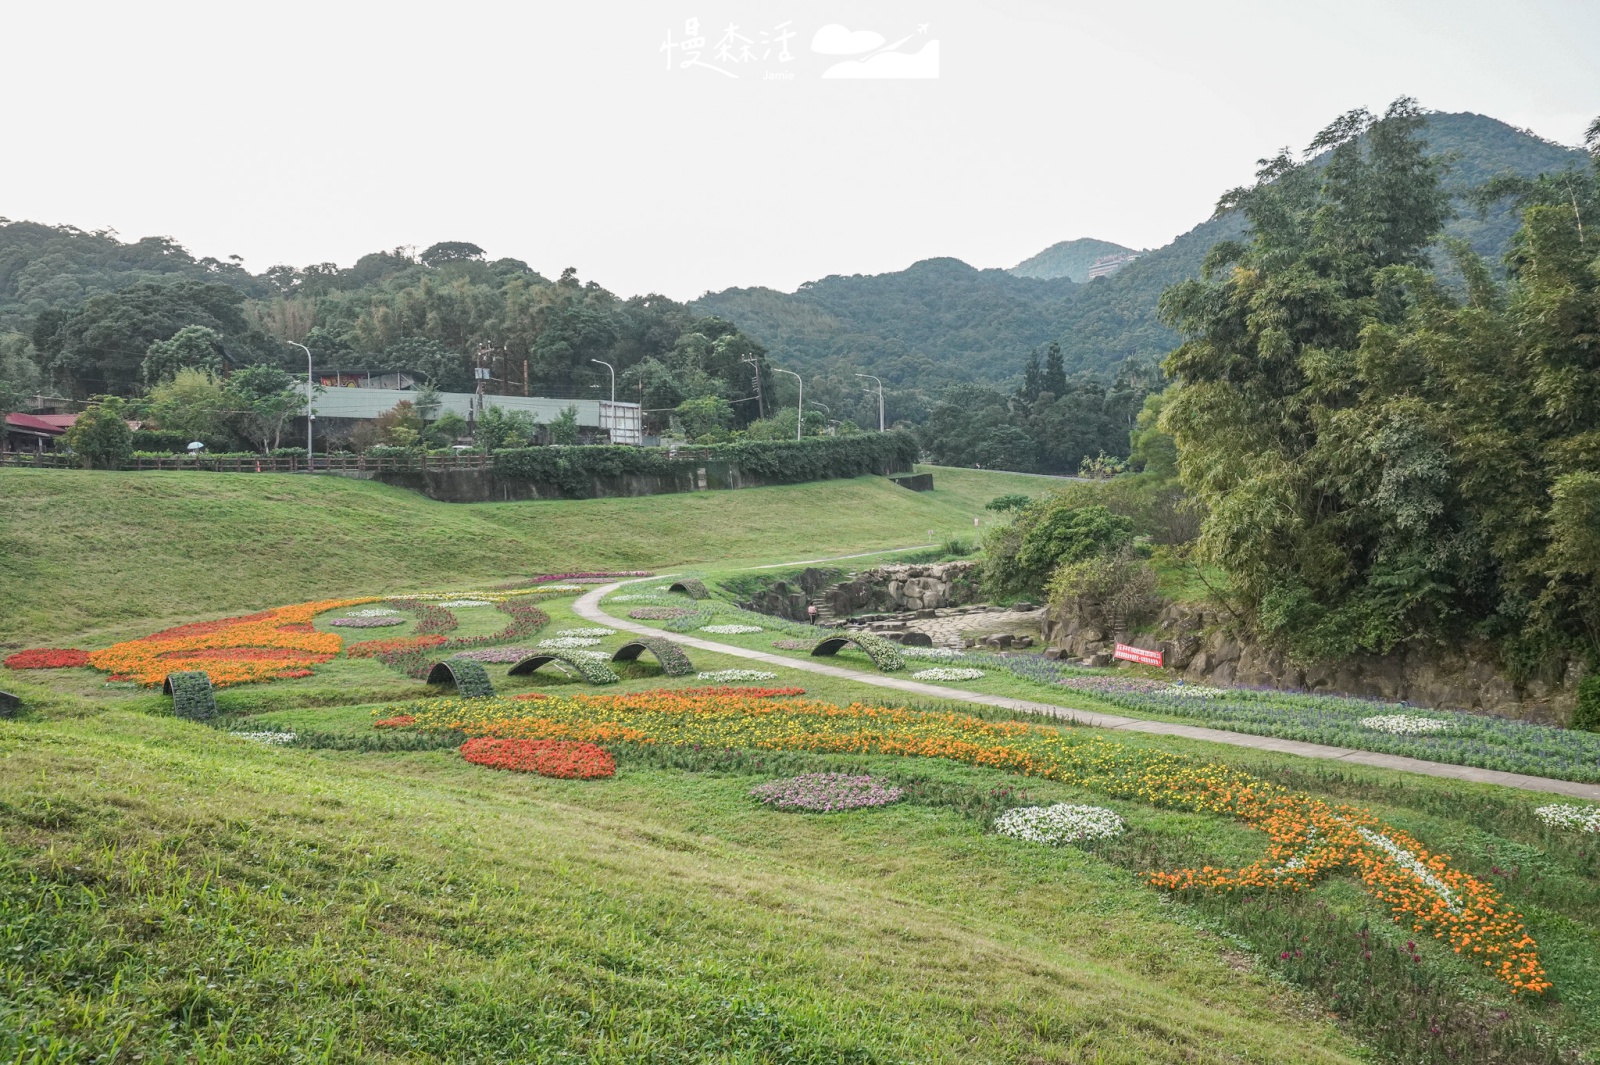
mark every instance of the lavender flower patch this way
{"type": "Point", "coordinates": [827, 793]}
{"type": "Point", "coordinates": [502, 655]}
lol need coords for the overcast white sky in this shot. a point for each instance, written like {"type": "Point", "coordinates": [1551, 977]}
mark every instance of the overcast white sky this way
{"type": "Point", "coordinates": [559, 133]}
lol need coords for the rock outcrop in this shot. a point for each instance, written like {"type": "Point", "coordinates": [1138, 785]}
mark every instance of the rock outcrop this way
{"type": "Point", "coordinates": [906, 587]}
{"type": "Point", "coordinates": [1204, 644]}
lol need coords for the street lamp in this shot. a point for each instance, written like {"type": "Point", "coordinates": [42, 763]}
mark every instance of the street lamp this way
{"type": "Point", "coordinates": [800, 408]}
{"type": "Point", "coordinates": [880, 399]}
{"type": "Point", "coordinates": [613, 370]}
{"type": "Point", "coordinates": [310, 414]}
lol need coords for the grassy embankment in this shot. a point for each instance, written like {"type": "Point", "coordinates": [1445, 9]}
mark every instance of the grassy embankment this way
{"type": "Point", "coordinates": [174, 891]}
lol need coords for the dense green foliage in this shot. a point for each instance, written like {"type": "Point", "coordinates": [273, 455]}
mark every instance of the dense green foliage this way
{"type": "Point", "coordinates": [101, 438]}
{"type": "Point", "coordinates": [1070, 258]}
{"type": "Point", "coordinates": [1021, 556]}
{"type": "Point", "coordinates": [1382, 458]}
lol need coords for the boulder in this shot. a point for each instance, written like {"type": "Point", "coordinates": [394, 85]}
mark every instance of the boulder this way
{"type": "Point", "coordinates": [916, 639]}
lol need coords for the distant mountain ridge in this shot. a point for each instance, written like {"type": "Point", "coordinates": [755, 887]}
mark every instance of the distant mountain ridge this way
{"type": "Point", "coordinates": [879, 323]}
{"type": "Point", "coordinates": [1070, 258]}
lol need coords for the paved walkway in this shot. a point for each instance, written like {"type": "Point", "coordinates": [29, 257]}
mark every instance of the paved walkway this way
{"type": "Point", "coordinates": [588, 606]}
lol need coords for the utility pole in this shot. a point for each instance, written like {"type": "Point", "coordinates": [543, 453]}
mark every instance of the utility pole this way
{"type": "Point", "coordinates": [311, 415]}
{"type": "Point", "coordinates": [755, 364]}
{"type": "Point", "coordinates": [880, 399]}
{"type": "Point", "coordinates": [800, 409]}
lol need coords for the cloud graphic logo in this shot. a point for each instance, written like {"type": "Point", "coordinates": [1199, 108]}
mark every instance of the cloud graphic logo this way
{"type": "Point", "coordinates": [890, 64]}
{"type": "Point", "coordinates": [834, 39]}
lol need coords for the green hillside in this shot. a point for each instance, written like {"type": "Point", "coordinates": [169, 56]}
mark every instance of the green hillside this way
{"type": "Point", "coordinates": [877, 322]}
{"type": "Point", "coordinates": [1070, 259]}
{"type": "Point", "coordinates": [172, 546]}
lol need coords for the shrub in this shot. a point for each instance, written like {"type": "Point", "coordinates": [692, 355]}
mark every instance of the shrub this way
{"type": "Point", "coordinates": [1586, 715]}
{"type": "Point", "coordinates": [100, 438]}
{"type": "Point", "coordinates": [1023, 555]}
{"type": "Point", "coordinates": [1112, 592]}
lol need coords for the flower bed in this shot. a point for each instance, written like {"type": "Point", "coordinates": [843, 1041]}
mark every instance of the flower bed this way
{"type": "Point", "coordinates": [564, 759]}
{"type": "Point", "coordinates": [723, 676]}
{"type": "Point", "coordinates": [399, 645]}
{"type": "Point", "coordinates": [278, 738]}
{"type": "Point", "coordinates": [567, 643]}
{"type": "Point", "coordinates": [662, 613]}
{"type": "Point", "coordinates": [48, 658]}
{"type": "Point", "coordinates": [645, 597]}
{"type": "Point", "coordinates": [452, 604]}
{"type": "Point", "coordinates": [353, 622]}
{"type": "Point", "coordinates": [930, 654]}
{"type": "Point", "coordinates": [526, 619]}
{"type": "Point", "coordinates": [374, 612]}
{"type": "Point", "coordinates": [948, 674]}
{"type": "Point", "coordinates": [239, 650]}
{"type": "Point", "coordinates": [586, 632]}
{"type": "Point", "coordinates": [1405, 724]}
{"type": "Point", "coordinates": [1465, 739]}
{"type": "Point", "coordinates": [724, 691]}
{"type": "Point", "coordinates": [397, 721]}
{"type": "Point", "coordinates": [730, 630]}
{"type": "Point", "coordinates": [1565, 815]}
{"type": "Point", "coordinates": [501, 655]}
{"type": "Point", "coordinates": [1060, 823]}
{"type": "Point", "coordinates": [1310, 839]}
{"type": "Point", "coordinates": [827, 793]}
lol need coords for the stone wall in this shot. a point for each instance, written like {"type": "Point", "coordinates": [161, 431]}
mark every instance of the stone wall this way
{"type": "Point", "coordinates": [1203, 644]}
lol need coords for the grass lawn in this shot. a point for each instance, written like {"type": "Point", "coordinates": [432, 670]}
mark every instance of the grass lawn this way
{"type": "Point", "coordinates": [169, 891]}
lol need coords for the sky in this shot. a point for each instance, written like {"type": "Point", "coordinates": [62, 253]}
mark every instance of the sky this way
{"type": "Point", "coordinates": [654, 149]}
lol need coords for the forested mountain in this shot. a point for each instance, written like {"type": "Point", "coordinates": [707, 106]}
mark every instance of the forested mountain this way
{"type": "Point", "coordinates": [877, 323]}
{"type": "Point", "coordinates": [1070, 258]}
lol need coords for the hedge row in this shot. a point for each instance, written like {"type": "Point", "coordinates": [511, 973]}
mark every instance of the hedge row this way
{"type": "Point", "coordinates": [574, 470]}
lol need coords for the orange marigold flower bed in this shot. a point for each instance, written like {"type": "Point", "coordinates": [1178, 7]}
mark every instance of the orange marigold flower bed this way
{"type": "Point", "coordinates": [565, 759]}
{"type": "Point", "coordinates": [255, 647]}
{"type": "Point", "coordinates": [48, 658]}
{"type": "Point", "coordinates": [398, 721]}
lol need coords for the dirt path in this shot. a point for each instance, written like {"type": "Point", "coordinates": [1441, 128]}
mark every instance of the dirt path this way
{"type": "Point", "coordinates": [587, 606]}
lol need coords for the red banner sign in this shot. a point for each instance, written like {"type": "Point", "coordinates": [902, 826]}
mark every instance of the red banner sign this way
{"type": "Point", "coordinates": [1137, 654]}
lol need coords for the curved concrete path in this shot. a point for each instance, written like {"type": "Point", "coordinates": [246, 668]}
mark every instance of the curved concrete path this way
{"type": "Point", "coordinates": [587, 606]}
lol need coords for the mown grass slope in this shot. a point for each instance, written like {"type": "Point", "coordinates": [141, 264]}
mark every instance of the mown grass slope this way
{"type": "Point", "coordinates": [82, 552]}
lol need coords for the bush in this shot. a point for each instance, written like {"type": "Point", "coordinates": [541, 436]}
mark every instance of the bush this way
{"type": "Point", "coordinates": [100, 438]}
{"type": "Point", "coordinates": [1586, 715]}
{"type": "Point", "coordinates": [160, 441]}
{"type": "Point", "coordinates": [1023, 555]}
{"type": "Point", "coordinates": [1112, 592]}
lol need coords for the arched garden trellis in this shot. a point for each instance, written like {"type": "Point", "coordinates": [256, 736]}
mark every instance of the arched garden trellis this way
{"type": "Point", "coordinates": [674, 663]}
{"type": "Point", "coordinates": [884, 654]}
{"type": "Point", "coordinates": [591, 670]}
{"type": "Point", "coordinates": [692, 588]}
{"type": "Point", "coordinates": [468, 678]}
{"type": "Point", "coordinates": [192, 695]}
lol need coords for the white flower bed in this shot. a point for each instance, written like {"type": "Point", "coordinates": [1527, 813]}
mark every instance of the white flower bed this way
{"type": "Point", "coordinates": [730, 630]}
{"type": "Point", "coordinates": [930, 654]}
{"type": "Point", "coordinates": [592, 656]}
{"type": "Point", "coordinates": [453, 603]}
{"type": "Point", "coordinates": [265, 737]}
{"type": "Point", "coordinates": [375, 612]}
{"type": "Point", "coordinates": [1058, 824]}
{"type": "Point", "coordinates": [654, 600]}
{"type": "Point", "coordinates": [1405, 724]}
{"type": "Point", "coordinates": [568, 643]}
{"type": "Point", "coordinates": [544, 588]}
{"type": "Point", "coordinates": [1413, 865]}
{"type": "Point", "coordinates": [586, 632]}
{"type": "Point", "coordinates": [725, 676]}
{"type": "Point", "coordinates": [1565, 815]}
{"type": "Point", "coordinates": [947, 674]}
{"type": "Point", "coordinates": [1197, 691]}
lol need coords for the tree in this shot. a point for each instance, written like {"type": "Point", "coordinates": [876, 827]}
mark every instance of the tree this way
{"type": "Point", "coordinates": [194, 347]}
{"type": "Point", "coordinates": [1032, 379]}
{"type": "Point", "coordinates": [500, 427]}
{"type": "Point", "coordinates": [263, 403]}
{"type": "Point", "coordinates": [564, 428]}
{"type": "Point", "coordinates": [1022, 556]}
{"type": "Point", "coordinates": [195, 404]}
{"type": "Point", "coordinates": [1054, 378]}
{"type": "Point", "coordinates": [100, 438]}
{"type": "Point", "coordinates": [704, 416]}
{"type": "Point", "coordinates": [451, 251]}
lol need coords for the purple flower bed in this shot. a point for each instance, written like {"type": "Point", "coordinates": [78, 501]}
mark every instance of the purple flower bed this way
{"type": "Point", "coordinates": [661, 613]}
{"type": "Point", "coordinates": [827, 792]}
{"type": "Point", "coordinates": [500, 655]}
{"type": "Point", "coordinates": [1104, 685]}
{"type": "Point", "coordinates": [367, 623]}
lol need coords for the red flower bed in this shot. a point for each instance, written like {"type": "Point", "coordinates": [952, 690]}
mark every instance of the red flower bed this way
{"type": "Point", "coordinates": [379, 648]}
{"type": "Point", "coordinates": [297, 626]}
{"type": "Point", "coordinates": [566, 759]}
{"type": "Point", "coordinates": [48, 658]}
{"type": "Point", "coordinates": [749, 693]}
{"type": "Point", "coordinates": [398, 721]}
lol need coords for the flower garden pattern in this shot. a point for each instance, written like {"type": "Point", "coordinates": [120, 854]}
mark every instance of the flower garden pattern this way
{"type": "Point", "coordinates": [563, 759]}
{"type": "Point", "coordinates": [1059, 824]}
{"type": "Point", "coordinates": [1310, 839]}
{"type": "Point", "coordinates": [826, 793]}
{"type": "Point", "coordinates": [48, 658]}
